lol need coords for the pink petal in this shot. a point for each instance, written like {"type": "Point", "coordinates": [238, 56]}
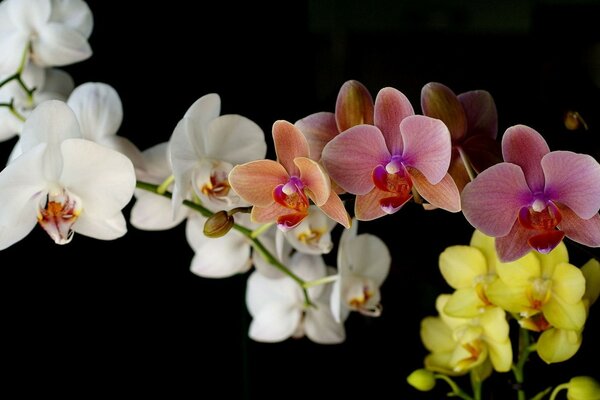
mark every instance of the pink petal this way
{"type": "Point", "coordinates": [514, 245]}
{"type": "Point", "coordinates": [573, 180]}
{"type": "Point", "coordinates": [270, 213]}
{"type": "Point", "coordinates": [427, 146]}
{"type": "Point", "coordinates": [318, 129]}
{"type": "Point", "coordinates": [491, 203]}
{"type": "Point", "coordinates": [480, 110]}
{"type": "Point", "coordinates": [391, 107]}
{"type": "Point", "coordinates": [367, 207]}
{"type": "Point", "coordinates": [354, 106]}
{"type": "Point", "coordinates": [459, 173]}
{"type": "Point", "coordinates": [334, 209]}
{"type": "Point", "coordinates": [289, 144]}
{"type": "Point", "coordinates": [352, 155]}
{"type": "Point", "coordinates": [525, 147]}
{"type": "Point", "coordinates": [254, 181]}
{"type": "Point", "coordinates": [443, 195]}
{"type": "Point", "coordinates": [315, 179]}
{"type": "Point", "coordinates": [584, 231]}
{"type": "Point", "coordinates": [438, 101]}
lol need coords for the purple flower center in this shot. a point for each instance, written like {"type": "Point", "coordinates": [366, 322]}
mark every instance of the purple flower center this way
{"type": "Point", "coordinates": [394, 179]}
{"type": "Point", "coordinates": [542, 217]}
{"type": "Point", "coordinates": [291, 195]}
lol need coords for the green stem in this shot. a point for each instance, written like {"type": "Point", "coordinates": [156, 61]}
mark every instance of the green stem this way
{"type": "Point", "coordinates": [467, 163]}
{"type": "Point", "coordinates": [456, 390]}
{"type": "Point", "coordinates": [257, 244]}
{"type": "Point", "coordinates": [524, 349]}
{"type": "Point", "coordinates": [13, 110]}
{"type": "Point", "coordinates": [476, 385]}
{"type": "Point", "coordinates": [558, 389]}
{"type": "Point", "coordinates": [322, 281]}
{"type": "Point", "coordinates": [260, 230]}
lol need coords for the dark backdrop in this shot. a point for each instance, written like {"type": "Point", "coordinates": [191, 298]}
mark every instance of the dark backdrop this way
{"type": "Point", "coordinates": [111, 318]}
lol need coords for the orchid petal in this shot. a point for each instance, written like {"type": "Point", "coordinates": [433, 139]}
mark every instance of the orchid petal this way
{"type": "Point", "coordinates": [436, 335]}
{"type": "Point", "coordinates": [234, 139]}
{"type": "Point", "coordinates": [29, 14]}
{"type": "Point", "coordinates": [216, 257]}
{"type": "Point", "coordinates": [352, 155]}
{"type": "Point", "coordinates": [368, 207]}
{"type": "Point", "coordinates": [464, 303]}
{"type": "Point", "coordinates": [558, 345]}
{"type": "Point", "coordinates": [520, 272]}
{"type": "Point", "coordinates": [102, 178]}
{"type": "Point", "coordinates": [501, 355]}
{"type": "Point", "coordinates": [586, 232]}
{"type": "Point", "coordinates": [274, 323]}
{"type": "Point", "coordinates": [458, 172]}
{"type": "Point", "coordinates": [491, 203]}
{"type": "Point", "coordinates": [98, 109]}
{"type": "Point", "coordinates": [58, 84]}
{"type": "Point", "coordinates": [482, 152]}
{"type": "Point", "coordinates": [58, 45]}
{"type": "Point", "coordinates": [102, 228]}
{"type": "Point", "coordinates": [12, 43]}
{"type": "Point", "coordinates": [290, 143]}
{"type": "Point", "coordinates": [321, 327]}
{"type": "Point", "coordinates": [153, 213]}
{"type": "Point", "coordinates": [525, 147]}
{"type": "Point", "coordinates": [205, 109]}
{"type": "Point", "coordinates": [427, 146]}
{"type": "Point", "coordinates": [568, 283]}
{"type": "Point", "coordinates": [354, 106]}
{"type": "Point", "coordinates": [460, 265]}
{"type": "Point", "coordinates": [75, 14]}
{"type": "Point", "coordinates": [318, 129]}
{"type": "Point", "coordinates": [480, 110]}
{"type": "Point", "coordinates": [370, 258]}
{"type": "Point", "coordinates": [334, 209]}
{"type": "Point", "coordinates": [573, 180]}
{"type": "Point", "coordinates": [444, 194]}
{"type": "Point", "coordinates": [591, 273]}
{"type": "Point", "coordinates": [184, 155]}
{"type": "Point", "coordinates": [314, 179]}
{"type": "Point", "coordinates": [125, 147]}
{"type": "Point", "coordinates": [510, 298]}
{"type": "Point", "coordinates": [438, 101]}
{"type": "Point", "coordinates": [565, 315]}
{"type": "Point", "coordinates": [261, 291]}
{"type": "Point", "coordinates": [254, 181]}
{"type": "Point", "coordinates": [269, 213]}
{"type": "Point", "coordinates": [391, 107]}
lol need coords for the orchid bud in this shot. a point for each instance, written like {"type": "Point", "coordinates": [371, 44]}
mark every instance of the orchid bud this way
{"type": "Point", "coordinates": [218, 224]}
{"type": "Point", "coordinates": [583, 388]}
{"type": "Point", "coordinates": [421, 379]}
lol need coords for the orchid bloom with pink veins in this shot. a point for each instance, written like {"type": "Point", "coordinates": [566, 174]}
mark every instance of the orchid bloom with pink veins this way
{"type": "Point", "coordinates": [381, 164]}
{"type": "Point", "coordinates": [535, 197]}
{"type": "Point", "coordinates": [281, 190]}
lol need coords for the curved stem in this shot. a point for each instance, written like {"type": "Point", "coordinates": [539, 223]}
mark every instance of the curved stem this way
{"type": "Point", "coordinates": [467, 163]}
{"type": "Point", "coordinates": [456, 390]}
{"type": "Point", "coordinates": [524, 350]}
{"type": "Point", "coordinates": [13, 110]}
{"type": "Point", "coordinates": [257, 244]}
{"type": "Point", "coordinates": [558, 389]}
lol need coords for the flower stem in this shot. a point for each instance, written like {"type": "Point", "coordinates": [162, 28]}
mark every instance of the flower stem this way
{"type": "Point", "coordinates": [322, 281]}
{"type": "Point", "coordinates": [476, 385]}
{"type": "Point", "coordinates": [558, 389]}
{"type": "Point", "coordinates": [456, 390]}
{"type": "Point", "coordinates": [524, 350]}
{"type": "Point", "coordinates": [13, 110]}
{"type": "Point", "coordinates": [257, 244]}
{"type": "Point", "coordinates": [162, 188]}
{"type": "Point", "coordinates": [466, 163]}
{"type": "Point", "coordinates": [260, 230]}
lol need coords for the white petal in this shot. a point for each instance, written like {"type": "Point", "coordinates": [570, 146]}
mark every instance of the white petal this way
{"type": "Point", "coordinates": [157, 163]}
{"type": "Point", "coordinates": [29, 14]}
{"type": "Point", "coordinates": [73, 13]}
{"type": "Point", "coordinates": [312, 235]}
{"type": "Point", "coordinates": [9, 125]}
{"type": "Point", "coordinates": [309, 267]}
{"type": "Point", "coordinates": [101, 177]}
{"type": "Point", "coordinates": [103, 228]}
{"type": "Point", "coordinates": [98, 109]}
{"type": "Point", "coordinates": [125, 147]}
{"type": "Point", "coordinates": [153, 213]}
{"type": "Point", "coordinates": [235, 139]}
{"type": "Point", "coordinates": [217, 257]}
{"type": "Point", "coordinates": [205, 109]}
{"type": "Point", "coordinates": [183, 158]}
{"type": "Point", "coordinates": [263, 266]}
{"type": "Point", "coordinates": [338, 307]}
{"type": "Point", "coordinates": [274, 323]}
{"type": "Point", "coordinates": [12, 46]}
{"type": "Point", "coordinates": [51, 122]}
{"type": "Point", "coordinates": [58, 84]}
{"type": "Point", "coordinates": [58, 45]}
{"type": "Point", "coordinates": [370, 257]}
{"type": "Point", "coordinates": [262, 291]}
{"type": "Point", "coordinates": [321, 327]}
{"type": "Point", "coordinates": [21, 188]}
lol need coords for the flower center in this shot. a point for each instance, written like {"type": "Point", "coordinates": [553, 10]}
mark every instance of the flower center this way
{"type": "Point", "coordinates": [394, 179]}
{"type": "Point", "coordinates": [361, 294]}
{"type": "Point", "coordinates": [538, 293]}
{"type": "Point", "coordinates": [291, 195]}
{"type": "Point", "coordinates": [57, 213]}
{"type": "Point", "coordinates": [543, 217]}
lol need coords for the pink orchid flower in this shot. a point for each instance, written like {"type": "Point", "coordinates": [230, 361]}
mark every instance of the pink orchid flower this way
{"type": "Point", "coordinates": [535, 197]}
{"type": "Point", "coordinates": [472, 120]}
{"type": "Point", "coordinates": [354, 106]}
{"type": "Point", "coordinates": [281, 190]}
{"type": "Point", "coordinates": [381, 164]}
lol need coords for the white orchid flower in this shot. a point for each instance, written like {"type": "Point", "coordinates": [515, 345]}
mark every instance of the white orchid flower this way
{"type": "Point", "coordinates": [363, 264]}
{"type": "Point", "coordinates": [279, 311]}
{"type": "Point", "coordinates": [313, 234]}
{"type": "Point", "coordinates": [64, 183]}
{"type": "Point", "coordinates": [205, 147]}
{"type": "Point", "coordinates": [53, 32]}
{"type": "Point", "coordinates": [50, 84]}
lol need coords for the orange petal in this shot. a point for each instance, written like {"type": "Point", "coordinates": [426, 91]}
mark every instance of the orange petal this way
{"type": "Point", "coordinates": [444, 194]}
{"type": "Point", "coordinates": [334, 209]}
{"type": "Point", "coordinates": [354, 106]}
{"type": "Point", "coordinates": [367, 206]}
{"type": "Point", "coordinates": [268, 214]}
{"type": "Point", "coordinates": [289, 144]}
{"type": "Point", "coordinates": [254, 181]}
{"type": "Point", "coordinates": [315, 179]}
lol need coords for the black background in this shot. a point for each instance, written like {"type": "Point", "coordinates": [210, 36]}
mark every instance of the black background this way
{"type": "Point", "coordinates": [112, 319]}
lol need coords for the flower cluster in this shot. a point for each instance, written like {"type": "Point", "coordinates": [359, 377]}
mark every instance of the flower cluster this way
{"type": "Point", "coordinates": [70, 172]}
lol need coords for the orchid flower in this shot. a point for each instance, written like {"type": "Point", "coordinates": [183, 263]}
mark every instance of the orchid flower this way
{"type": "Point", "coordinates": [469, 270]}
{"type": "Point", "coordinates": [381, 164]}
{"type": "Point", "coordinates": [458, 345]}
{"type": "Point", "coordinates": [354, 106]}
{"type": "Point", "coordinates": [50, 84]}
{"type": "Point", "coordinates": [280, 191]}
{"type": "Point", "coordinates": [535, 197]}
{"type": "Point", "coordinates": [278, 309]}
{"type": "Point", "coordinates": [313, 234]}
{"type": "Point", "coordinates": [64, 183]}
{"type": "Point", "coordinates": [363, 264]}
{"type": "Point", "coordinates": [205, 147]}
{"type": "Point", "coordinates": [472, 120]}
{"type": "Point", "coordinates": [52, 32]}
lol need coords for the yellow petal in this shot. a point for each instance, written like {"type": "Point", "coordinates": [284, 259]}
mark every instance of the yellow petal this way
{"type": "Point", "coordinates": [591, 272]}
{"type": "Point", "coordinates": [521, 271]}
{"type": "Point", "coordinates": [487, 245]}
{"type": "Point", "coordinates": [511, 298]}
{"type": "Point", "coordinates": [568, 283]}
{"type": "Point", "coordinates": [460, 265]}
{"type": "Point", "coordinates": [440, 362]}
{"type": "Point", "coordinates": [436, 335]}
{"type": "Point", "coordinates": [464, 303]}
{"type": "Point", "coordinates": [557, 345]}
{"type": "Point", "coordinates": [557, 256]}
{"type": "Point", "coordinates": [564, 315]}
{"type": "Point", "coordinates": [501, 355]}
{"type": "Point", "coordinates": [494, 324]}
